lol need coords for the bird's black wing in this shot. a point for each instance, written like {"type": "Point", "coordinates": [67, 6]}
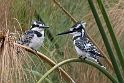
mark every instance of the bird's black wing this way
{"type": "Point", "coordinates": [86, 45]}
{"type": "Point", "coordinates": [26, 37]}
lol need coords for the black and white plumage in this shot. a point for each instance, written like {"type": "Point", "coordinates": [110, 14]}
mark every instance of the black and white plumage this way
{"type": "Point", "coordinates": [34, 37]}
{"type": "Point", "coordinates": [83, 45]}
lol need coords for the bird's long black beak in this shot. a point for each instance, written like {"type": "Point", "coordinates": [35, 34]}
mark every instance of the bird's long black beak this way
{"type": "Point", "coordinates": [65, 32]}
{"type": "Point", "coordinates": [44, 26]}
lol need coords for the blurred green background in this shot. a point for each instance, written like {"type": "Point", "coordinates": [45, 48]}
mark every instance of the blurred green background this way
{"type": "Point", "coordinates": [18, 15]}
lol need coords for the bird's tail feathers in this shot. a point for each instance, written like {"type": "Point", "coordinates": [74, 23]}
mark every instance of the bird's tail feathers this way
{"type": "Point", "coordinates": [101, 56]}
{"type": "Point", "coordinates": [100, 63]}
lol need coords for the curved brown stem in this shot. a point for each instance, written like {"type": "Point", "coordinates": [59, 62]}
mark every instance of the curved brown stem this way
{"type": "Point", "coordinates": [67, 78]}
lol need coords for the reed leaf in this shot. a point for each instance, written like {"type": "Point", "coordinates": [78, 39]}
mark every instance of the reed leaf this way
{"type": "Point", "coordinates": [108, 47]}
{"type": "Point", "coordinates": [112, 78]}
{"type": "Point", "coordinates": [112, 34]}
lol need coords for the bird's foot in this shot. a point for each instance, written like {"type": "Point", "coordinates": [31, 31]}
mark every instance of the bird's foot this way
{"type": "Point", "coordinates": [34, 49]}
{"type": "Point", "coordinates": [82, 58]}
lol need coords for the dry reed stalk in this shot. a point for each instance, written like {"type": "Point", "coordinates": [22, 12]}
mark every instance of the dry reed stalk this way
{"type": "Point", "coordinates": [11, 63]}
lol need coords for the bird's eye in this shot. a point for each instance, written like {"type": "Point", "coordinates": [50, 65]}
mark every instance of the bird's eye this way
{"type": "Point", "coordinates": [37, 25]}
{"type": "Point", "coordinates": [33, 25]}
{"type": "Point", "coordinates": [74, 29]}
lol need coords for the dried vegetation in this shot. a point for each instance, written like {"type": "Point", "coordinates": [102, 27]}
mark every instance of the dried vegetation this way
{"type": "Point", "coordinates": [13, 64]}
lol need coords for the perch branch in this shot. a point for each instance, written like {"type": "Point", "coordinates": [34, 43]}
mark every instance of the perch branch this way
{"type": "Point", "coordinates": [67, 78]}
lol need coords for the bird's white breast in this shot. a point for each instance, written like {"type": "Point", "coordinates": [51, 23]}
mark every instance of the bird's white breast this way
{"type": "Point", "coordinates": [36, 42]}
{"type": "Point", "coordinates": [81, 52]}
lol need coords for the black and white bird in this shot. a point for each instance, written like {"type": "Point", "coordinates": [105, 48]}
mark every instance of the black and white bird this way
{"type": "Point", "coordinates": [83, 45]}
{"type": "Point", "coordinates": [34, 37]}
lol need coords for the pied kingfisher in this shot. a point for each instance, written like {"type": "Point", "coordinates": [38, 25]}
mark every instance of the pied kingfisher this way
{"type": "Point", "coordinates": [83, 45]}
{"type": "Point", "coordinates": [34, 37]}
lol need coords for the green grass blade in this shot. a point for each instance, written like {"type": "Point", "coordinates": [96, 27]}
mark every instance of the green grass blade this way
{"type": "Point", "coordinates": [111, 55]}
{"type": "Point", "coordinates": [112, 34]}
{"type": "Point", "coordinates": [111, 77]}
{"type": "Point", "coordinates": [36, 73]}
